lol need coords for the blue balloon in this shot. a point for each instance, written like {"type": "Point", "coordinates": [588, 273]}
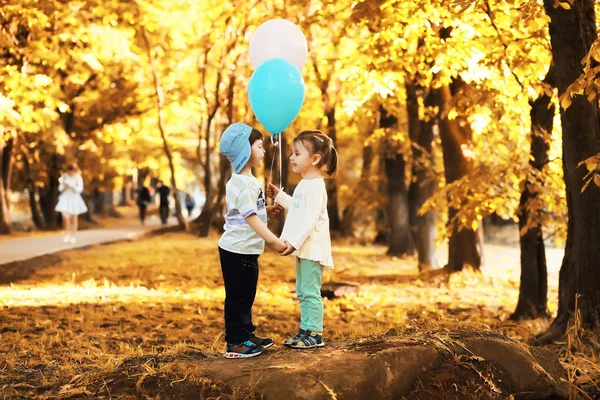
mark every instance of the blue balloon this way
{"type": "Point", "coordinates": [276, 94]}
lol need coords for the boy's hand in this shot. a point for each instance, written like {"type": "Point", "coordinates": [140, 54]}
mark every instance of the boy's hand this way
{"type": "Point", "coordinates": [273, 210]}
{"type": "Point", "coordinates": [279, 246]}
{"type": "Point", "coordinates": [272, 191]}
{"type": "Point", "coordinates": [288, 250]}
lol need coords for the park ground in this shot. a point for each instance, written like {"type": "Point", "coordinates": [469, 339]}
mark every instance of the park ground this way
{"type": "Point", "coordinates": [71, 322]}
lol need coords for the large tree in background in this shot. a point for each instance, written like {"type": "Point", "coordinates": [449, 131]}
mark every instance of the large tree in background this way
{"type": "Point", "coordinates": [572, 34]}
{"type": "Point", "coordinates": [533, 289]}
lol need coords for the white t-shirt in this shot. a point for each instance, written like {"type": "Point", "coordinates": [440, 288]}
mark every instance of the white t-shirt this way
{"type": "Point", "coordinates": [244, 197]}
{"type": "Point", "coordinates": [307, 222]}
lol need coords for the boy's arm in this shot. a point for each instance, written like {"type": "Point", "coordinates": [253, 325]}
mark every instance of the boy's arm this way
{"type": "Point", "coordinates": [261, 229]}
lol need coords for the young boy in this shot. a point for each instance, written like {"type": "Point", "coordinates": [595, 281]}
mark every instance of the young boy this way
{"type": "Point", "coordinates": [244, 239]}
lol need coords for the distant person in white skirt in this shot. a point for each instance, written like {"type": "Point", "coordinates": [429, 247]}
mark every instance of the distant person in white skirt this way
{"type": "Point", "coordinates": [70, 204]}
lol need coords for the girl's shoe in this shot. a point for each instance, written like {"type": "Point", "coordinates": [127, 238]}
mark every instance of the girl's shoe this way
{"type": "Point", "coordinates": [67, 239]}
{"type": "Point", "coordinates": [73, 240]}
{"type": "Point", "coordinates": [308, 341]}
{"type": "Point", "coordinates": [298, 336]}
{"type": "Point", "coordinates": [264, 342]}
{"type": "Point", "coordinates": [245, 349]}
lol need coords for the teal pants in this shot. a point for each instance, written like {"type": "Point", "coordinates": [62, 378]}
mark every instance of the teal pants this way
{"type": "Point", "coordinates": [308, 290]}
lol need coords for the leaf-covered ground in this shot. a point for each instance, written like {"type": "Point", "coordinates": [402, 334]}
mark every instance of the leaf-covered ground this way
{"type": "Point", "coordinates": [74, 317]}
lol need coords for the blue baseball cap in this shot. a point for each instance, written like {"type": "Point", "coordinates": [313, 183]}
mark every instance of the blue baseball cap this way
{"type": "Point", "coordinates": [235, 145]}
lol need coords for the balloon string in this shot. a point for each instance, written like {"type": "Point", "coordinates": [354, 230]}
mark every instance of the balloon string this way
{"type": "Point", "coordinates": [275, 143]}
{"type": "Point", "coordinates": [280, 164]}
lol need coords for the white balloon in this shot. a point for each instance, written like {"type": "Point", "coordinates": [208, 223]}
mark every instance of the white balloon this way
{"type": "Point", "coordinates": [278, 38]}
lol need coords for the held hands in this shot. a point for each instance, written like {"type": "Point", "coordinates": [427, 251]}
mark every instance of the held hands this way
{"type": "Point", "coordinates": [279, 246]}
{"type": "Point", "coordinates": [272, 191]}
{"type": "Point", "coordinates": [289, 249]}
{"type": "Point", "coordinates": [273, 210]}
{"type": "Point", "coordinates": [282, 247]}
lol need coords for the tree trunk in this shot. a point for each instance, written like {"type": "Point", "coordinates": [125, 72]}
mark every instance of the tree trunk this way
{"type": "Point", "coordinates": [8, 158]}
{"type": "Point", "coordinates": [422, 186]}
{"type": "Point", "coordinates": [98, 201]}
{"type": "Point", "coordinates": [6, 162]}
{"type": "Point", "coordinates": [350, 209]}
{"type": "Point", "coordinates": [109, 201]}
{"type": "Point", "coordinates": [401, 243]}
{"type": "Point", "coordinates": [36, 214]}
{"type": "Point", "coordinates": [333, 208]}
{"type": "Point", "coordinates": [382, 225]}
{"type": "Point", "coordinates": [206, 215]}
{"type": "Point", "coordinates": [464, 246]}
{"type": "Point", "coordinates": [159, 107]}
{"type": "Point", "coordinates": [178, 210]}
{"type": "Point", "coordinates": [207, 211]}
{"type": "Point", "coordinates": [50, 197]}
{"type": "Point", "coordinates": [533, 291]}
{"type": "Point", "coordinates": [572, 34]}
{"type": "Point", "coordinates": [219, 205]}
{"type": "Point", "coordinates": [127, 183]}
{"type": "Point", "coordinates": [224, 164]}
{"type": "Point", "coordinates": [34, 205]}
{"type": "Point", "coordinates": [5, 220]}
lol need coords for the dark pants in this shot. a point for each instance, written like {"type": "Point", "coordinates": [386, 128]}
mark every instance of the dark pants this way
{"type": "Point", "coordinates": [190, 209]}
{"type": "Point", "coordinates": [142, 208]}
{"type": "Point", "coordinates": [240, 274]}
{"type": "Point", "coordinates": [164, 212]}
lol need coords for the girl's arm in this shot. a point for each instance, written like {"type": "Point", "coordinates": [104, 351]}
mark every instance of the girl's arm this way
{"type": "Point", "coordinates": [280, 197]}
{"type": "Point", "coordinates": [61, 184]}
{"type": "Point", "coordinates": [79, 184]}
{"type": "Point", "coordinates": [261, 229]}
{"type": "Point", "coordinates": [284, 199]}
{"type": "Point", "coordinates": [312, 204]}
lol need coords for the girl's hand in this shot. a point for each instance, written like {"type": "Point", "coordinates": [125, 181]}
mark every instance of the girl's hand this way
{"type": "Point", "coordinates": [272, 191]}
{"type": "Point", "coordinates": [289, 250]}
{"type": "Point", "coordinates": [273, 210]}
{"type": "Point", "coordinates": [279, 246]}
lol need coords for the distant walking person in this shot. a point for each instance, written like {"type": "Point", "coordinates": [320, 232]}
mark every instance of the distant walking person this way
{"type": "Point", "coordinates": [70, 204]}
{"type": "Point", "coordinates": [189, 203]}
{"type": "Point", "coordinates": [163, 193]}
{"type": "Point", "coordinates": [143, 201]}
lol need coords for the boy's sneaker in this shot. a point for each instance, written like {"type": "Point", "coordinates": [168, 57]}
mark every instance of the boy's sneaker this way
{"type": "Point", "coordinates": [245, 349]}
{"type": "Point", "coordinates": [298, 336]}
{"type": "Point", "coordinates": [308, 341]}
{"type": "Point", "coordinates": [264, 342]}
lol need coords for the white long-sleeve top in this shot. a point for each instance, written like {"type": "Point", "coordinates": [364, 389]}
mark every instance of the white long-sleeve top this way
{"type": "Point", "coordinates": [307, 222]}
{"type": "Point", "coordinates": [74, 183]}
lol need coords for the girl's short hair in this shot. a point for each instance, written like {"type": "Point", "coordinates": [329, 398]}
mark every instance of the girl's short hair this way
{"type": "Point", "coordinates": [316, 142]}
{"type": "Point", "coordinates": [254, 136]}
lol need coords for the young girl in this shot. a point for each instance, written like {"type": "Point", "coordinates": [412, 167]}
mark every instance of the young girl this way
{"type": "Point", "coordinates": [306, 230]}
{"type": "Point", "coordinates": [244, 239]}
{"type": "Point", "coordinates": [70, 204]}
